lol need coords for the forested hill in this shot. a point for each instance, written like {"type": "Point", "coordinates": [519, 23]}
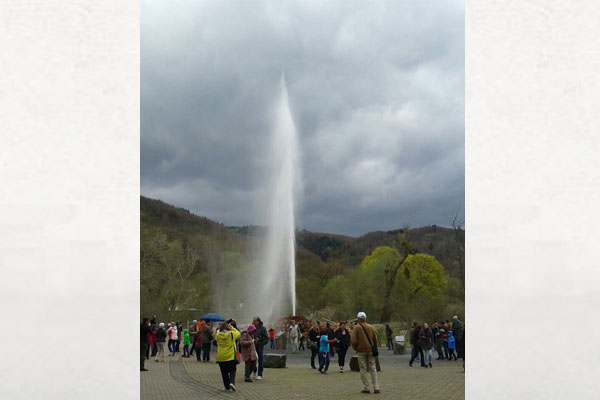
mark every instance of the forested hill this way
{"type": "Point", "coordinates": [179, 223]}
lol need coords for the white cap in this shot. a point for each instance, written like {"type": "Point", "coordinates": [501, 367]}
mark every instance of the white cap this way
{"type": "Point", "coordinates": [455, 317]}
{"type": "Point", "coordinates": [361, 315]}
{"type": "Point", "coordinates": [161, 324]}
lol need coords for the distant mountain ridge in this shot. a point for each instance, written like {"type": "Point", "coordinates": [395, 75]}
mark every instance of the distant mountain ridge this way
{"type": "Point", "coordinates": [438, 241]}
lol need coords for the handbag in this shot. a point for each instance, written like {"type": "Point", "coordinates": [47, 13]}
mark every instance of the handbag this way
{"type": "Point", "coordinates": [374, 349]}
{"type": "Point", "coordinates": [236, 353]}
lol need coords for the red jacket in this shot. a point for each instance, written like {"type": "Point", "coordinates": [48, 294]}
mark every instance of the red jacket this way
{"type": "Point", "coordinates": [152, 337]}
{"type": "Point", "coordinates": [272, 333]}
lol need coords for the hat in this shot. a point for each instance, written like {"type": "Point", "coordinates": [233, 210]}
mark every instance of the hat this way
{"type": "Point", "coordinates": [251, 328]}
{"type": "Point", "coordinates": [455, 317]}
{"type": "Point", "coordinates": [161, 324]}
{"type": "Point", "coordinates": [361, 315]}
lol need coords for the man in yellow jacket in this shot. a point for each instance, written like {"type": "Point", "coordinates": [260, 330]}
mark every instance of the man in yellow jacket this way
{"type": "Point", "coordinates": [227, 353]}
{"type": "Point", "coordinates": [362, 338]}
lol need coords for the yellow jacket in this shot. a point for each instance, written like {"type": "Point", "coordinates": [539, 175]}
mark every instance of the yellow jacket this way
{"type": "Point", "coordinates": [226, 344]}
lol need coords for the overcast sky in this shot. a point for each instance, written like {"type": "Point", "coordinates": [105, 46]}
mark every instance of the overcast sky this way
{"type": "Point", "coordinates": [376, 91]}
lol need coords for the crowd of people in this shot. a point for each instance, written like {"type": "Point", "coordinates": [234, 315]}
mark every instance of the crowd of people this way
{"type": "Point", "coordinates": [235, 345]}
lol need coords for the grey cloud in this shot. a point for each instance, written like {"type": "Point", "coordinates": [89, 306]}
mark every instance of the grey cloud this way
{"type": "Point", "coordinates": [376, 90]}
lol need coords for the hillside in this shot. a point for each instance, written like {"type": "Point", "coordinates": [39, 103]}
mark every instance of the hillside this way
{"type": "Point", "coordinates": [179, 223]}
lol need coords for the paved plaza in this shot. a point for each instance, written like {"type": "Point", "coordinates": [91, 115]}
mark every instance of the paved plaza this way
{"type": "Point", "coordinates": [185, 378]}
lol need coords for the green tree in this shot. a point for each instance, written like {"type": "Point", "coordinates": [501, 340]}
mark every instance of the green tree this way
{"type": "Point", "coordinates": [421, 273]}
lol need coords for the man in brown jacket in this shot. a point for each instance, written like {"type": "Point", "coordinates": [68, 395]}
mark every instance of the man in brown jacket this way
{"type": "Point", "coordinates": [361, 345]}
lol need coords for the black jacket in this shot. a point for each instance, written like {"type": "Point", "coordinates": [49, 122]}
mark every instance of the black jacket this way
{"type": "Point", "coordinates": [262, 335]}
{"type": "Point", "coordinates": [161, 335]}
{"type": "Point", "coordinates": [144, 331]}
{"type": "Point", "coordinates": [313, 335]}
{"type": "Point", "coordinates": [344, 340]}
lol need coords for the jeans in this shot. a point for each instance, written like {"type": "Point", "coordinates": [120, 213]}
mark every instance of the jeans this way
{"type": "Point", "coordinates": [417, 350]}
{"type": "Point", "coordinates": [427, 356]}
{"type": "Point", "coordinates": [323, 360]}
{"type": "Point", "coordinates": [390, 343]}
{"type": "Point", "coordinates": [259, 352]}
{"type": "Point", "coordinates": [341, 356]}
{"type": "Point", "coordinates": [206, 351]}
{"type": "Point", "coordinates": [186, 350]}
{"type": "Point", "coordinates": [228, 372]}
{"type": "Point", "coordinates": [154, 350]}
{"type": "Point", "coordinates": [366, 363]}
{"type": "Point", "coordinates": [171, 346]}
{"type": "Point", "coordinates": [272, 342]}
{"type": "Point", "coordinates": [294, 341]}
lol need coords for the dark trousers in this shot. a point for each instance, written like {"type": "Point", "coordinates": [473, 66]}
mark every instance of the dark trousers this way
{"type": "Point", "coordinates": [250, 368]}
{"type": "Point", "coordinates": [314, 352]}
{"type": "Point", "coordinates": [186, 350]}
{"type": "Point", "coordinates": [323, 360]}
{"type": "Point", "coordinates": [341, 356]}
{"type": "Point", "coordinates": [228, 372]}
{"type": "Point", "coordinates": [148, 351]}
{"type": "Point", "coordinates": [206, 351]}
{"type": "Point", "coordinates": [143, 349]}
{"type": "Point", "coordinates": [452, 355]}
{"type": "Point", "coordinates": [154, 350]}
{"type": "Point", "coordinates": [438, 348]}
{"type": "Point", "coordinates": [458, 349]}
{"type": "Point", "coordinates": [446, 354]}
{"type": "Point", "coordinates": [198, 349]}
{"type": "Point", "coordinates": [192, 346]}
{"type": "Point", "coordinates": [259, 351]}
{"type": "Point", "coordinates": [417, 350]}
{"type": "Point", "coordinates": [171, 346]}
{"type": "Point", "coordinates": [272, 343]}
{"type": "Point", "coordinates": [177, 345]}
{"type": "Point", "coordinates": [390, 343]}
{"type": "Point", "coordinates": [301, 346]}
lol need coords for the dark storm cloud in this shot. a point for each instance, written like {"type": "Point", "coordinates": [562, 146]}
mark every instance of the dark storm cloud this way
{"type": "Point", "coordinates": [376, 90]}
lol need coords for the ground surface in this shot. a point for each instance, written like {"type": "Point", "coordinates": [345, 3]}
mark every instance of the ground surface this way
{"type": "Point", "coordinates": [186, 378]}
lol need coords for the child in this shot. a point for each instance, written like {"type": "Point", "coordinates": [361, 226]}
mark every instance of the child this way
{"type": "Point", "coordinates": [272, 337]}
{"type": "Point", "coordinates": [324, 351]}
{"type": "Point", "coordinates": [186, 344]}
{"type": "Point", "coordinates": [451, 345]}
{"type": "Point", "coordinates": [248, 351]}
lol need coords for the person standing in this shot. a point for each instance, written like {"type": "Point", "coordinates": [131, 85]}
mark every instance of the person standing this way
{"type": "Point", "coordinates": [451, 345]}
{"type": "Point", "coordinates": [426, 343]}
{"type": "Point", "coordinates": [362, 338]}
{"type": "Point", "coordinates": [179, 336]}
{"type": "Point", "coordinates": [206, 336]}
{"type": "Point", "coordinates": [416, 349]}
{"type": "Point", "coordinates": [151, 342]}
{"type": "Point", "coordinates": [343, 343]}
{"type": "Point", "coordinates": [193, 330]}
{"type": "Point", "coordinates": [226, 354]}
{"type": "Point", "coordinates": [186, 344]}
{"type": "Point", "coordinates": [172, 332]}
{"type": "Point", "coordinates": [144, 331]}
{"type": "Point", "coordinates": [293, 329]}
{"type": "Point", "coordinates": [313, 340]}
{"type": "Point", "coordinates": [445, 336]}
{"type": "Point", "coordinates": [272, 338]}
{"type": "Point", "coordinates": [248, 351]}
{"type": "Point", "coordinates": [161, 337]}
{"type": "Point", "coordinates": [330, 335]}
{"type": "Point", "coordinates": [324, 351]}
{"type": "Point", "coordinates": [388, 334]}
{"type": "Point", "coordinates": [260, 340]}
{"type": "Point", "coordinates": [437, 338]}
{"type": "Point", "coordinates": [457, 333]}
{"type": "Point", "coordinates": [302, 336]}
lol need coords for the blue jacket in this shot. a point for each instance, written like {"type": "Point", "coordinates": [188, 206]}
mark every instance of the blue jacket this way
{"type": "Point", "coordinates": [324, 345]}
{"type": "Point", "coordinates": [451, 341]}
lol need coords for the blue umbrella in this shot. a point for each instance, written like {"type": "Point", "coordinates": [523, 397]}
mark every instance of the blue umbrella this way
{"type": "Point", "coordinates": [212, 317]}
